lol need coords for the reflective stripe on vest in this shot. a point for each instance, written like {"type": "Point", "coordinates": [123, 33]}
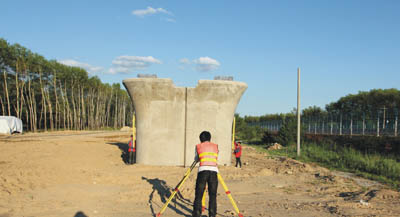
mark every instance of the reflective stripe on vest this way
{"type": "Point", "coordinates": [208, 153]}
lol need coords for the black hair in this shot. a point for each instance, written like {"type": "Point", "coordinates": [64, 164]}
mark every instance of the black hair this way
{"type": "Point", "coordinates": [205, 136]}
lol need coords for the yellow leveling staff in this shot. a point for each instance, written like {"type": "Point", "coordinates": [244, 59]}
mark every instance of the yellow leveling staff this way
{"type": "Point", "coordinates": [133, 128]}
{"type": "Point", "coordinates": [233, 133]}
{"type": "Point", "coordinates": [177, 188]}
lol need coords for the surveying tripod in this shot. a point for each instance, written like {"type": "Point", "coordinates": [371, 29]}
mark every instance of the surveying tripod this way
{"type": "Point", "coordinates": [179, 185]}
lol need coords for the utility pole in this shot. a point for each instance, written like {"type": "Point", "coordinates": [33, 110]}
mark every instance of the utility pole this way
{"type": "Point", "coordinates": [341, 126]}
{"type": "Point", "coordinates": [384, 117]}
{"type": "Point", "coordinates": [363, 125]}
{"type": "Point", "coordinates": [395, 122]}
{"type": "Point", "coordinates": [351, 125]}
{"type": "Point", "coordinates": [298, 112]}
{"type": "Point", "coordinates": [377, 126]}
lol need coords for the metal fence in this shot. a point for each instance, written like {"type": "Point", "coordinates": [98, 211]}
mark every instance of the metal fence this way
{"type": "Point", "coordinates": [342, 125]}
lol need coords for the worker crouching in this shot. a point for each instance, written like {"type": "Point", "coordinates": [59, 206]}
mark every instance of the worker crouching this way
{"type": "Point", "coordinates": [207, 154]}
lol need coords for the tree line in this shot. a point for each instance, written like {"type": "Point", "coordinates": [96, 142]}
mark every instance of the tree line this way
{"type": "Point", "coordinates": [377, 107]}
{"type": "Point", "coordinates": [47, 95]}
{"type": "Point", "coordinates": [367, 104]}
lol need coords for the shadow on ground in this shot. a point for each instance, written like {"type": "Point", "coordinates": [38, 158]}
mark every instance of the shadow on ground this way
{"type": "Point", "coordinates": [80, 214]}
{"type": "Point", "coordinates": [124, 150]}
{"type": "Point", "coordinates": [178, 204]}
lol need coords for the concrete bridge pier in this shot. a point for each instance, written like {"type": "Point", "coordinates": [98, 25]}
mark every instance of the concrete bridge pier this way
{"type": "Point", "coordinates": [169, 119]}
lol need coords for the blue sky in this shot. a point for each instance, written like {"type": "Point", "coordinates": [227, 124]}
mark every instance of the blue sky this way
{"type": "Point", "coordinates": [342, 47]}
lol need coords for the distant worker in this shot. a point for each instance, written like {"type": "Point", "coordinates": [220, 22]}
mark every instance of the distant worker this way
{"type": "Point", "coordinates": [238, 153]}
{"type": "Point", "coordinates": [207, 154]}
{"type": "Point", "coordinates": [132, 151]}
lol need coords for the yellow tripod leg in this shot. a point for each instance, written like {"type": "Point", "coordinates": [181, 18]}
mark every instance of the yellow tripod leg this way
{"type": "Point", "coordinates": [228, 193]}
{"type": "Point", "coordinates": [177, 188]}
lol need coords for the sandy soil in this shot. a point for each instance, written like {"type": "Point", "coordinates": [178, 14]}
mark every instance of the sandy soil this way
{"type": "Point", "coordinates": [78, 174]}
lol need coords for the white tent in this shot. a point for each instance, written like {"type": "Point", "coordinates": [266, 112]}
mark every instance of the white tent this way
{"type": "Point", "coordinates": [10, 124]}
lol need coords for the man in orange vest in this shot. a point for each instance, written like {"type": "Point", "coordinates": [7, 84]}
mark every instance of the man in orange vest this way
{"type": "Point", "coordinates": [207, 154]}
{"type": "Point", "coordinates": [132, 151]}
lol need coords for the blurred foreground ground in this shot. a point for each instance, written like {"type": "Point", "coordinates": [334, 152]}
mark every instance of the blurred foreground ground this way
{"type": "Point", "coordinates": [77, 174]}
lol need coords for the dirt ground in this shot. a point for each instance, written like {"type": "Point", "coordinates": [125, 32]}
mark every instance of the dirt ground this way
{"type": "Point", "coordinates": [78, 174]}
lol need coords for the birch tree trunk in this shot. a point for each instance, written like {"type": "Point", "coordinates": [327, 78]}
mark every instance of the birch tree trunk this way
{"type": "Point", "coordinates": [123, 113]}
{"type": "Point", "coordinates": [2, 106]}
{"type": "Point", "coordinates": [6, 93]}
{"type": "Point", "coordinates": [93, 110]}
{"type": "Point", "coordinates": [34, 111]}
{"type": "Point", "coordinates": [107, 115]}
{"type": "Point", "coordinates": [79, 108]}
{"type": "Point", "coordinates": [44, 106]}
{"type": "Point", "coordinates": [17, 88]}
{"type": "Point", "coordinates": [84, 122]}
{"type": "Point", "coordinates": [50, 110]}
{"type": "Point", "coordinates": [90, 108]}
{"type": "Point", "coordinates": [63, 105]}
{"type": "Point", "coordinates": [104, 111]}
{"type": "Point", "coordinates": [25, 101]}
{"type": "Point", "coordinates": [30, 104]}
{"type": "Point", "coordinates": [99, 107]}
{"type": "Point", "coordinates": [116, 110]}
{"type": "Point", "coordinates": [56, 98]}
{"type": "Point", "coordinates": [75, 125]}
{"type": "Point", "coordinates": [69, 113]}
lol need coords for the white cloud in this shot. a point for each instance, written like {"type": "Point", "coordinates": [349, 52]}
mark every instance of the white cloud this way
{"type": "Point", "coordinates": [119, 70]}
{"type": "Point", "coordinates": [202, 64]}
{"type": "Point", "coordinates": [89, 68]}
{"type": "Point", "coordinates": [149, 11]}
{"type": "Point", "coordinates": [206, 64]}
{"type": "Point", "coordinates": [127, 64]}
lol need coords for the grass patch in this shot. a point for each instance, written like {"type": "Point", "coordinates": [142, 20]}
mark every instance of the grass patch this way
{"type": "Point", "coordinates": [378, 167]}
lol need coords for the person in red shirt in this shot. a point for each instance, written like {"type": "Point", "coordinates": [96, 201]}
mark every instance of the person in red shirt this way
{"type": "Point", "coordinates": [132, 151]}
{"type": "Point", "coordinates": [238, 153]}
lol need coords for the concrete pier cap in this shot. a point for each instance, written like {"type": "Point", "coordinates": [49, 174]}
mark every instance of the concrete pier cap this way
{"type": "Point", "coordinates": [169, 119]}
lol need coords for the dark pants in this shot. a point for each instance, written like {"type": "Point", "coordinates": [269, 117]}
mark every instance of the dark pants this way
{"type": "Point", "coordinates": [238, 162]}
{"type": "Point", "coordinates": [132, 157]}
{"type": "Point", "coordinates": [203, 177]}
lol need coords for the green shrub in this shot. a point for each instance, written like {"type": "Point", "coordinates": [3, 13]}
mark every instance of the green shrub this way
{"type": "Point", "coordinates": [287, 134]}
{"type": "Point", "coordinates": [366, 144]}
{"type": "Point", "coordinates": [268, 137]}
